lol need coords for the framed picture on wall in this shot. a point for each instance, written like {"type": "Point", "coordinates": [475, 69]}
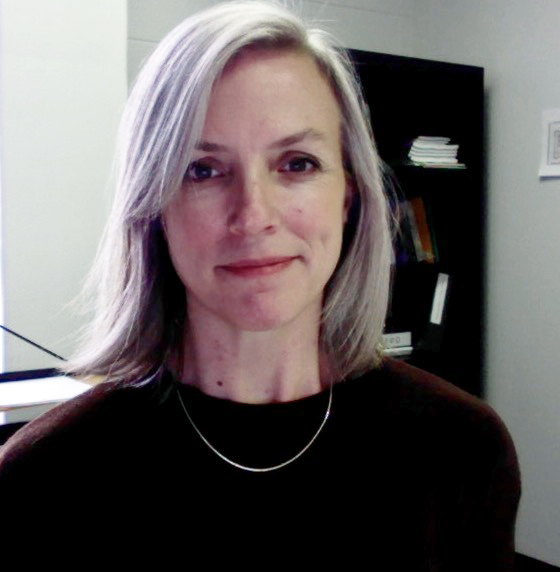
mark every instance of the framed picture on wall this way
{"type": "Point", "coordinates": [550, 154]}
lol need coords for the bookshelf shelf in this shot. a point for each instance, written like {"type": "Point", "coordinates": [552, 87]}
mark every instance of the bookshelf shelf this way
{"type": "Point", "coordinates": [408, 98]}
{"type": "Point", "coordinates": [427, 167]}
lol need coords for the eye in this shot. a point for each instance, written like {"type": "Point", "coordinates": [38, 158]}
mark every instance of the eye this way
{"type": "Point", "coordinates": [199, 171]}
{"type": "Point", "coordinates": [300, 164]}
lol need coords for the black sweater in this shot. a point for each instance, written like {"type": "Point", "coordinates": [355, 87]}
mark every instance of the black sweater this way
{"type": "Point", "coordinates": [409, 473]}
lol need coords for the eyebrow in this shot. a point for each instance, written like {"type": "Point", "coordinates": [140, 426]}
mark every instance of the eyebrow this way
{"type": "Point", "coordinates": [313, 134]}
{"type": "Point", "coordinates": [209, 147]}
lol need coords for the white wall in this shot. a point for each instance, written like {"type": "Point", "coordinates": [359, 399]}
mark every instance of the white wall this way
{"type": "Point", "coordinates": [518, 43]}
{"type": "Point", "coordinates": [63, 85]}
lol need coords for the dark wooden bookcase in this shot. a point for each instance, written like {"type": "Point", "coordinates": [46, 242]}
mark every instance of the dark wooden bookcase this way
{"type": "Point", "coordinates": [409, 97]}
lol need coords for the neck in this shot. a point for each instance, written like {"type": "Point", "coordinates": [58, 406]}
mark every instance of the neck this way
{"type": "Point", "coordinates": [254, 367]}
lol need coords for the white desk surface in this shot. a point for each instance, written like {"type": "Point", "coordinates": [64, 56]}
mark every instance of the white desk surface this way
{"type": "Point", "coordinates": [23, 400]}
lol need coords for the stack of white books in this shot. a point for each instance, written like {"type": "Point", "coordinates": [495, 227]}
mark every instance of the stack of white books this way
{"type": "Point", "coordinates": [434, 152]}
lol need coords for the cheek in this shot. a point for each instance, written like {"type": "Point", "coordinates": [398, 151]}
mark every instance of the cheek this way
{"type": "Point", "coordinates": [320, 223]}
{"type": "Point", "coordinates": [194, 223]}
{"type": "Point", "coordinates": [190, 234]}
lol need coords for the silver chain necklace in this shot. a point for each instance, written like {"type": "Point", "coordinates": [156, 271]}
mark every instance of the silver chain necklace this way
{"type": "Point", "coordinates": [257, 469]}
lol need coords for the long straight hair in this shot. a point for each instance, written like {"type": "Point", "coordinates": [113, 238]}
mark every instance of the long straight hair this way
{"type": "Point", "coordinates": [139, 303]}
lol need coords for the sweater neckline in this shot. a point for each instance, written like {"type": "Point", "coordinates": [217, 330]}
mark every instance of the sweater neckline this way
{"type": "Point", "coordinates": [256, 435]}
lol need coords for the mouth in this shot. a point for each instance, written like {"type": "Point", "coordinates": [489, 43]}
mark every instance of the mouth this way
{"type": "Point", "coordinates": [255, 267]}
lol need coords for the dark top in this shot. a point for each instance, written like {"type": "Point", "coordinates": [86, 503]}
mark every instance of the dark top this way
{"type": "Point", "coordinates": [409, 473]}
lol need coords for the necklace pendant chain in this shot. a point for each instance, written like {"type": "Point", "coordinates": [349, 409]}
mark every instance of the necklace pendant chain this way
{"type": "Point", "coordinates": [257, 469]}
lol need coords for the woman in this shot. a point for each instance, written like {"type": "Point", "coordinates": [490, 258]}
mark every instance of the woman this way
{"type": "Point", "coordinates": [244, 276]}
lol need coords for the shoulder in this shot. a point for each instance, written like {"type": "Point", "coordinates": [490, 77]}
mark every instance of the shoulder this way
{"type": "Point", "coordinates": [396, 384]}
{"type": "Point", "coordinates": [88, 416]}
{"type": "Point", "coordinates": [440, 418]}
{"type": "Point", "coordinates": [425, 393]}
{"type": "Point", "coordinates": [445, 449]}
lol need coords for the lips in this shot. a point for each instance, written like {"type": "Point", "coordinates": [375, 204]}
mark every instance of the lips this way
{"type": "Point", "coordinates": [254, 267]}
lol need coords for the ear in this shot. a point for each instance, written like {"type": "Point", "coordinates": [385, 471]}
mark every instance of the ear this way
{"type": "Point", "coordinates": [348, 198]}
{"type": "Point", "coordinates": [162, 223]}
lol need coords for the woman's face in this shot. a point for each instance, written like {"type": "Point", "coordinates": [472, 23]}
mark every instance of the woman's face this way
{"type": "Point", "coordinates": [255, 232]}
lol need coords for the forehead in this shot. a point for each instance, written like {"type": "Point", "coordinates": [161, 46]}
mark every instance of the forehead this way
{"type": "Point", "coordinates": [286, 83]}
{"type": "Point", "coordinates": [266, 56]}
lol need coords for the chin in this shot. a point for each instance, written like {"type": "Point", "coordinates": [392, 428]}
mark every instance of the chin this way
{"type": "Point", "coordinates": [275, 317]}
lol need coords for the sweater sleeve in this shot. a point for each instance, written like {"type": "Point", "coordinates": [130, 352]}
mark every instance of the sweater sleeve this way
{"type": "Point", "coordinates": [473, 497]}
{"type": "Point", "coordinates": [499, 499]}
{"type": "Point", "coordinates": [484, 499]}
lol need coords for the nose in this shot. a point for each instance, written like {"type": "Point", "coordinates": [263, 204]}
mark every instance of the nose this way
{"type": "Point", "coordinates": [253, 206]}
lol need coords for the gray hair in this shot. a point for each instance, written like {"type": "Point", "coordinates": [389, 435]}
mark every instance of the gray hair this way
{"type": "Point", "coordinates": [139, 301]}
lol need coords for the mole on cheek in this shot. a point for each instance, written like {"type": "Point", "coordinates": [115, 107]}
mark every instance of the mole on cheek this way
{"type": "Point", "coordinates": [220, 383]}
